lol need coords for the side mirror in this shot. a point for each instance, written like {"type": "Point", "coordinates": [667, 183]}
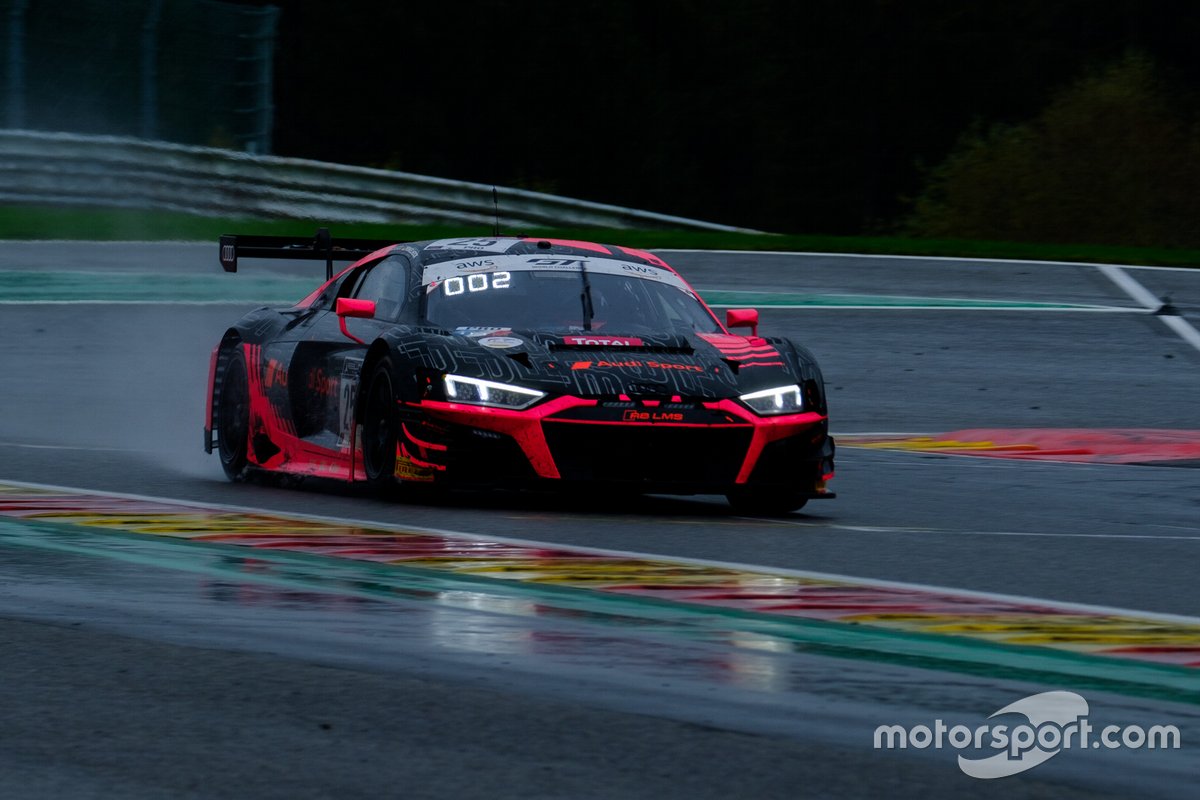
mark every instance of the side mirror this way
{"type": "Point", "coordinates": [740, 318]}
{"type": "Point", "coordinates": [348, 307]}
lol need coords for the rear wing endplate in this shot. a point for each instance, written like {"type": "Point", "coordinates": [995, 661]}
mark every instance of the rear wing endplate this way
{"type": "Point", "coordinates": [321, 247]}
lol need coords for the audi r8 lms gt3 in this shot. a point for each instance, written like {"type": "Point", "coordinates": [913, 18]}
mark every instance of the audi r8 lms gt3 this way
{"type": "Point", "coordinates": [514, 362]}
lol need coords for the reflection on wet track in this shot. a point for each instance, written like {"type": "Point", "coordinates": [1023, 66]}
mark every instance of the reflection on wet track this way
{"type": "Point", "coordinates": [764, 608]}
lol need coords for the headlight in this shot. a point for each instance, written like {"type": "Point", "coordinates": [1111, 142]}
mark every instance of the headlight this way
{"type": "Point", "coordinates": [780, 400]}
{"type": "Point", "coordinates": [489, 393]}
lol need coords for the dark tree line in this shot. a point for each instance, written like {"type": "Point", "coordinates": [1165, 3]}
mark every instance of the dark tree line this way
{"type": "Point", "coordinates": [782, 115]}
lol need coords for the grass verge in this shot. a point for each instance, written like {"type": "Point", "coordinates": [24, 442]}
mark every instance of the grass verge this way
{"type": "Point", "coordinates": [46, 223]}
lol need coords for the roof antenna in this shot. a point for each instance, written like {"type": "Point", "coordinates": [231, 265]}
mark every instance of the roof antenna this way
{"type": "Point", "coordinates": [496, 205]}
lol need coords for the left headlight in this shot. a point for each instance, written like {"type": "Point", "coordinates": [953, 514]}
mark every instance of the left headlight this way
{"type": "Point", "coordinates": [479, 392]}
{"type": "Point", "coordinates": [780, 400]}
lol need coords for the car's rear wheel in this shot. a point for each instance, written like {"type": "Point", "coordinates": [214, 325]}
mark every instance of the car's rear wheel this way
{"type": "Point", "coordinates": [766, 501]}
{"type": "Point", "coordinates": [233, 417]}
{"type": "Point", "coordinates": [379, 426]}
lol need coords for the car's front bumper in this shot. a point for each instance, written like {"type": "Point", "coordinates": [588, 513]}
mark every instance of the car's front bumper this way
{"type": "Point", "coordinates": [657, 446]}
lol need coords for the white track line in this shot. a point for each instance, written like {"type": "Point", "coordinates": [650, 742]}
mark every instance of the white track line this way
{"type": "Point", "coordinates": [70, 447]}
{"type": "Point", "coordinates": [947, 532]}
{"type": "Point", "coordinates": [1131, 287]}
{"type": "Point", "coordinates": [1180, 326]}
{"type": "Point", "coordinates": [1183, 329]}
{"type": "Point", "coordinates": [732, 565]}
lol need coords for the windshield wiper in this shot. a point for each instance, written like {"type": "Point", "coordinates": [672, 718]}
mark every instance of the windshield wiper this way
{"type": "Point", "coordinates": [585, 297]}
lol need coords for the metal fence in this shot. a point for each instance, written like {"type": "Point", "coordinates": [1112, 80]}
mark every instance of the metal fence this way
{"type": "Point", "coordinates": [73, 169]}
{"type": "Point", "coordinates": [192, 71]}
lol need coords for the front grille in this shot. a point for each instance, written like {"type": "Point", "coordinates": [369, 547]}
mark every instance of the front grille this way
{"type": "Point", "coordinates": [648, 456]}
{"type": "Point", "coordinates": [477, 456]}
{"type": "Point", "coordinates": [796, 460]}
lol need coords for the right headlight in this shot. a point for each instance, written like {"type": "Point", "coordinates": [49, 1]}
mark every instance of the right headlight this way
{"type": "Point", "coordinates": [780, 400]}
{"type": "Point", "coordinates": [478, 392]}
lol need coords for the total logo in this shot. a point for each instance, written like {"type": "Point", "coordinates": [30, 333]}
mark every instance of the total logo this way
{"type": "Point", "coordinates": [636, 364]}
{"type": "Point", "coordinates": [602, 341]}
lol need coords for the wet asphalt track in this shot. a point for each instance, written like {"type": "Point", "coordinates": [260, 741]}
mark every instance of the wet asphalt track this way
{"type": "Point", "coordinates": [111, 397]}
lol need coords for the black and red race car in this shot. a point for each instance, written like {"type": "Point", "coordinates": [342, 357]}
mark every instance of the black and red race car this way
{"type": "Point", "coordinates": [514, 362]}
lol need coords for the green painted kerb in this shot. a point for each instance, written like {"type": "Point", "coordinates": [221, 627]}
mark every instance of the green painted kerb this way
{"type": "Point", "coordinates": [147, 287]}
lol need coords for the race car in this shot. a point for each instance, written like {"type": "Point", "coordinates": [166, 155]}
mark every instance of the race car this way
{"type": "Point", "coordinates": [514, 362]}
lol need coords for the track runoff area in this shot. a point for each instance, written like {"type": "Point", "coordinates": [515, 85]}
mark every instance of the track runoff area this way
{"type": "Point", "coordinates": [940, 371]}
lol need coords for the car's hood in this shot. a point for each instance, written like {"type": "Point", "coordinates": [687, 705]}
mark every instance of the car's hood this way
{"type": "Point", "coordinates": [638, 365]}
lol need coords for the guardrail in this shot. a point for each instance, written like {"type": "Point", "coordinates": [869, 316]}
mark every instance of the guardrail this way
{"type": "Point", "coordinates": [38, 167]}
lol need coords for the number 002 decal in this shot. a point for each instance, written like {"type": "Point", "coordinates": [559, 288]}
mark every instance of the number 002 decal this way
{"type": "Point", "coordinates": [478, 282]}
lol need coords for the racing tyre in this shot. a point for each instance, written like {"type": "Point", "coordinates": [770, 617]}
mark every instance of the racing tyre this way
{"type": "Point", "coordinates": [379, 427]}
{"type": "Point", "coordinates": [233, 417]}
{"type": "Point", "coordinates": [766, 501]}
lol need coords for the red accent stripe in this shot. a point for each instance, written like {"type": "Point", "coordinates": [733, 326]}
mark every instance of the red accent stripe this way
{"type": "Point", "coordinates": [420, 442]}
{"type": "Point", "coordinates": [642, 254]}
{"type": "Point", "coordinates": [418, 462]}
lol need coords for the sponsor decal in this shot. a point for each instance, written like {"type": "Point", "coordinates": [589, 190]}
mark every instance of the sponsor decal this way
{"type": "Point", "coordinates": [347, 393]}
{"type": "Point", "coordinates": [320, 383]}
{"type": "Point", "coordinates": [602, 341]}
{"type": "Point", "coordinates": [650, 273]}
{"type": "Point", "coordinates": [475, 264]}
{"type": "Point", "coordinates": [406, 470]}
{"type": "Point", "coordinates": [637, 364]}
{"type": "Point", "coordinates": [475, 332]}
{"type": "Point", "coordinates": [501, 341]}
{"type": "Point", "coordinates": [275, 374]}
{"type": "Point", "coordinates": [676, 367]}
{"type": "Point", "coordinates": [632, 415]}
{"type": "Point", "coordinates": [563, 261]}
{"type": "Point", "coordinates": [641, 269]}
{"type": "Point", "coordinates": [479, 245]}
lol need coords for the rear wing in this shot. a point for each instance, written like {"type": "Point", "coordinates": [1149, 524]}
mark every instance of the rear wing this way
{"type": "Point", "coordinates": [322, 247]}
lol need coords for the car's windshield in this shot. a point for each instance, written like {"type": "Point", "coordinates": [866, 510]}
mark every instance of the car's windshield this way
{"type": "Point", "coordinates": [555, 299]}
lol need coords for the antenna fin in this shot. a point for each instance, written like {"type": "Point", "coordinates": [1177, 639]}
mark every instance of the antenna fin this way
{"type": "Point", "coordinates": [496, 206]}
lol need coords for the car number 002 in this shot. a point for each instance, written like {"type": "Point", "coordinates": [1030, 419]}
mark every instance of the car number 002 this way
{"type": "Point", "coordinates": [478, 282]}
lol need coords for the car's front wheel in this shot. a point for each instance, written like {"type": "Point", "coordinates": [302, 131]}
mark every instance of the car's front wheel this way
{"type": "Point", "coordinates": [379, 426]}
{"type": "Point", "coordinates": [766, 501]}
